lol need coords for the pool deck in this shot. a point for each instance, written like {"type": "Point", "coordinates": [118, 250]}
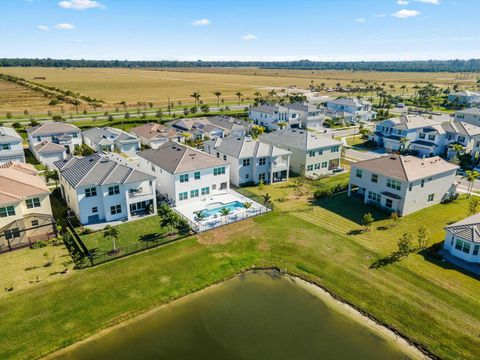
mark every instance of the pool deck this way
{"type": "Point", "coordinates": [189, 210]}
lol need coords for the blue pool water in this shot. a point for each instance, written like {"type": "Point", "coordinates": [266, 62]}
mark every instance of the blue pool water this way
{"type": "Point", "coordinates": [232, 206]}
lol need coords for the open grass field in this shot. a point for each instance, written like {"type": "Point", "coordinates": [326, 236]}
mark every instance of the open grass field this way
{"type": "Point", "coordinates": [430, 302]}
{"type": "Point", "coordinates": [157, 85]}
{"type": "Point", "coordinates": [16, 98]}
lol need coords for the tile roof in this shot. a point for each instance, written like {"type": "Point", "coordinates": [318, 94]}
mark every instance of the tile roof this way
{"type": "Point", "coordinates": [97, 169]}
{"type": "Point", "coordinates": [468, 228]}
{"type": "Point", "coordinates": [175, 158]}
{"type": "Point", "coordinates": [245, 147]}
{"type": "Point", "coordinates": [8, 135]}
{"type": "Point", "coordinates": [406, 168]}
{"type": "Point", "coordinates": [471, 111]}
{"type": "Point", "coordinates": [47, 147]}
{"type": "Point", "coordinates": [300, 139]}
{"type": "Point", "coordinates": [19, 181]}
{"type": "Point", "coordinates": [350, 101]}
{"type": "Point", "coordinates": [108, 135]}
{"type": "Point", "coordinates": [153, 130]}
{"type": "Point", "coordinates": [52, 128]}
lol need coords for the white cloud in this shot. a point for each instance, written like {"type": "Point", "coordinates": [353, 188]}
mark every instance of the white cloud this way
{"type": "Point", "coordinates": [403, 2]}
{"type": "Point", "coordinates": [42, 27]}
{"type": "Point", "coordinates": [434, 2]}
{"type": "Point", "coordinates": [65, 26]}
{"type": "Point", "coordinates": [404, 13]}
{"type": "Point", "coordinates": [81, 4]}
{"type": "Point", "coordinates": [249, 37]}
{"type": "Point", "coordinates": [360, 20]}
{"type": "Point", "coordinates": [201, 22]}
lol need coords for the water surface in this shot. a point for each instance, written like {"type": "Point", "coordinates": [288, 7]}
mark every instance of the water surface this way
{"type": "Point", "coordinates": [254, 316]}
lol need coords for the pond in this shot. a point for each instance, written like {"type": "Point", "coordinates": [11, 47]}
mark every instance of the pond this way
{"type": "Point", "coordinates": [253, 316]}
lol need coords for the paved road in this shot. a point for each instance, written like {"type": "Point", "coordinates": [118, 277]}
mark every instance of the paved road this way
{"type": "Point", "coordinates": [464, 184]}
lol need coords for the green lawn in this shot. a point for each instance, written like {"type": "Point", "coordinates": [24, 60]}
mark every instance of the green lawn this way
{"type": "Point", "coordinates": [430, 302]}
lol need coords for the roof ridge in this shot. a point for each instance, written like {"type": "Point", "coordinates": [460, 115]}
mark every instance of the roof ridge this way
{"type": "Point", "coordinates": [90, 170]}
{"type": "Point", "coordinates": [181, 159]}
{"type": "Point", "coordinates": [110, 171]}
{"type": "Point", "coordinates": [23, 182]}
{"type": "Point", "coordinates": [11, 195]}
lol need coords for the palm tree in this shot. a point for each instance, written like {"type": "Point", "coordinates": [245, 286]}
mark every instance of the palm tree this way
{"type": "Point", "coordinates": [267, 199]}
{"type": "Point", "coordinates": [403, 87]}
{"type": "Point", "coordinates": [456, 148]}
{"type": "Point", "coordinates": [247, 205]}
{"type": "Point", "coordinates": [257, 94]}
{"type": "Point", "coordinates": [200, 215]}
{"type": "Point", "coordinates": [224, 212]}
{"type": "Point", "coordinates": [112, 233]}
{"type": "Point", "coordinates": [218, 94]}
{"type": "Point", "coordinates": [239, 95]}
{"type": "Point", "coordinates": [51, 174]}
{"type": "Point", "coordinates": [282, 124]}
{"type": "Point", "coordinates": [471, 176]}
{"type": "Point", "coordinates": [403, 142]}
{"type": "Point", "coordinates": [196, 95]}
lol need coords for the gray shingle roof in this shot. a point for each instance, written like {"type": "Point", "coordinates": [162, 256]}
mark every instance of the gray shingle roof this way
{"type": "Point", "coordinates": [468, 228]}
{"type": "Point", "coordinates": [97, 169]}
{"type": "Point", "coordinates": [108, 135]}
{"type": "Point", "coordinates": [8, 135]}
{"type": "Point", "coordinates": [300, 139]}
{"type": "Point", "coordinates": [175, 158]}
{"type": "Point", "coordinates": [55, 127]}
{"type": "Point", "coordinates": [245, 147]}
{"type": "Point", "coordinates": [47, 147]}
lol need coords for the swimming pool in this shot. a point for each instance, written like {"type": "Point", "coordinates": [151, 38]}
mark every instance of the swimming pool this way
{"type": "Point", "coordinates": [214, 209]}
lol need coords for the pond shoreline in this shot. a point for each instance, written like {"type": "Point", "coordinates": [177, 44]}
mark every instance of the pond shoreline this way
{"type": "Point", "coordinates": [339, 305]}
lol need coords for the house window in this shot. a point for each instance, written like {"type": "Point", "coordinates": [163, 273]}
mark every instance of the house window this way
{"type": "Point", "coordinates": [33, 203]}
{"type": "Point", "coordinates": [89, 192]}
{"type": "Point", "coordinates": [153, 167]}
{"type": "Point", "coordinates": [475, 249]}
{"type": "Point", "coordinates": [358, 173]}
{"type": "Point", "coordinates": [461, 139]}
{"type": "Point", "coordinates": [194, 193]}
{"type": "Point", "coordinates": [246, 162]}
{"type": "Point", "coordinates": [183, 196]}
{"type": "Point", "coordinates": [317, 166]}
{"type": "Point", "coordinates": [113, 190]}
{"type": "Point", "coordinates": [5, 147]}
{"type": "Point", "coordinates": [310, 168]}
{"type": "Point", "coordinates": [410, 186]}
{"type": "Point", "coordinates": [431, 137]}
{"type": "Point", "coordinates": [311, 153]}
{"type": "Point", "coordinates": [335, 149]}
{"type": "Point", "coordinates": [262, 177]}
{"type": "Point", "coordinates": [320, 152]}
{"type": "Point", "coordinates": [394, 184]}
{"type": "Point", "coordinates": [74, 135]}
{"type": "Point", "coordinates": [421, 136]}
{"type": "Point", "coordinates": [39, 138]}
{"type": "Point", "coordinates": [218, 155]}
{"type": "Point", "coordinates": [423, 183]}
{"type": "Point", "coordinates": [225, 157]}
{"type": "Point", "coordinates": [214, 187]}
{"type": "Point", "coordinates": [462, 246]}
{"type": "Point", "coordinates": [94, 210]}
{"type": "Point", "coordinates": [196, 175]}
{"type": "Point", "coordinates": [219, 171]}
{"type": "Point", "coordinates": [184, 178]}
{"type": "Point", "coordinates": [389, 203]}
{"type": "Point", "coordinates": [374, 178]}
{"type": "Point", "coordinates": [430, 197]}
{"type": "Point", "coordinates": [205, 190]}
{"type": "Point", "coordinates": [115, 209]}
{"type": "Point", "coordinates": [324, 164]}
{"type": "Point", "coordinates": [262, 161]}
{"type": "Point", "coordinates": [34, 222]}
{"type": "Point", "coordinates": [12, 233]}
{"type": "Point", "coordinates": [374, 197]}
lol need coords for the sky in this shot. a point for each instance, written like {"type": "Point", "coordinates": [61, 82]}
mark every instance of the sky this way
{"type": "Point", "coordinates": [322, 30]}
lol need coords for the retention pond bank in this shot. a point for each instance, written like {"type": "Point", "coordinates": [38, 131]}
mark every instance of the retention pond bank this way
{"type": "Point", "coordinates": [259, 315]}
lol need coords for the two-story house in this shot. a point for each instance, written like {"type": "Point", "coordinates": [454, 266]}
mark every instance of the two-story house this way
{"type": "Point", "coordinates": [465, 98]}
{"type": "Point", "coordinates": [309, 115]}
{"type": "Point", "coordinates": [462, 239]}
{"type": "Point", "coordinates": [274, 117]}
{"type": "Point", "coordinates": [184, 174]}
{"type": "Point", "coordinates": [110, 139]}
{"type": "Point", "coordinates": [251, 161]}
{"type": "Point", "coordinates": [153, 135]}
{"type": "Point", "coordinates": [25, 211]}
{"type": "Point", "coordinates": [210, 127]}
{"type": "Point", "coordinates": [11, 148]}
{"type": "Point", "coordinates": [59, 134]}
{"type": "Point", "coordinates": [471, 116]}
{"type": "Point", "coordinates": [312, 154]}
{"type": "Point", "coordinates": [403, 184]}
{"type": "Point", "coordinates": [100, 189]}
{"type": "Point", "coordinates": [356, 109]}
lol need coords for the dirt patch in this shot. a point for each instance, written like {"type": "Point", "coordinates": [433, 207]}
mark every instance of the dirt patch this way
{"type": "Point", "coordinates": [225, 233]}
{"type": "Point", "coordinates": [264, 246]}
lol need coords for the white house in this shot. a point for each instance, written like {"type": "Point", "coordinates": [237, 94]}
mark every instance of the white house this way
{"type": "Point", "coordinates": [312, 155]}
{"type": "Point", "coordinates": [272, 117]}
{"type": "Point", "coordinates": [60, 133]}
{"type": "Point", "coordinates": [47, 153]}
{"type": "Point", "coordinates": [251, 161]}
{"type": "Point", "coordinates": [99, 189]}
{"type": "Point", "coordinates": [403, 184]}
{"type": "Point", "coordinates": [462, 239]}
{"type": "Point", "coordinates": [25, 211]}
{"type": "Point", "coordinates": [154, 135]}
{"type": "Point", "coordinates": [465, 98]}
{"type": "Point", "coordinates": [210, 127]}
{"type": "Point", "coordinates": [309, 115]}
{"type": "Point", "coordinates": [471, 116]}
{"type": "Point", "coordinates": [109, 139]}
{"type": "Point", "coordinates": [354, 108]}
{"type": "Point", "coordinates": [184, 174]}
{"type": "Point", "coordinates": [11, 148]}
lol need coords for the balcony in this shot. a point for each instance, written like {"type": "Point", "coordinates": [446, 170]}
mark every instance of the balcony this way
{"type": "Point", "coordinates": [137, 193]}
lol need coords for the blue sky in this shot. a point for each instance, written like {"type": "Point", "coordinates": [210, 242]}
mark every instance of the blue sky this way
{"type": "Point", "coordinates": [242, 29]}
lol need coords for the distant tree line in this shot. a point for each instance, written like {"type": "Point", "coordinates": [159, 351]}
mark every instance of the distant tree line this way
{"type": "Point", "coordinates": [472, 65]}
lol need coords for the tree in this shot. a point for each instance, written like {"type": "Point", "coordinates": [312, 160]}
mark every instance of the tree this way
{"type": "Point", "coordinates": [25, 112]}
{"type": "Point", "coordinates": [404, 245]}
{"type": "Point", "coordinates": [205, 108]}
{"type": "Point", "coordinates": [200, 215]}
{"type": "Point", "coordinates": [257, 130]}
{"type": "Point", "coordinates": [367, 221]}
{"type": "Point", "coordinates": [471, 176]}
{"type": "Point", "coordinates": [456, 149]}
{"type": "Point", "coordinates": [51, 174]}
{"type": "Point", "coordinates": [17, 125]}
{"type": "Point", "coordinates": [247, 205]}
{"type": "Point", "coordinates": [170, 218]}
{"type": "Point", "coordinates": [403, 143]}
{"type": "Point", "coordinates": [472, 206]}
{"type": "Point", "coordinates": [186, 111]}
{"type": "Point", "coordinates": [239, 95]}
{"type": "Point", "coordinates": [9, 115]}
{"type": "Point", "coordinates": [394, 219]}
{"type": "Point", "coordinates": [224, 212]}
{"type": "Point", "coordinates": [159, 114]}
{"type": "Point", "coordinates": [127, 115]}
{"type": "Point", "coordinates": [113, 234]}
{"type": "Point", "coordinates": [282, 124]}
{"type": "Point", "coordinates": [218, 94]}
{"type": "Point", "coordinates": [267, 199]}
{"type": "Point", "coordinates": [423, 237]}
{"type": "Point", "coordinates": [193, 110]}
{"type": "Point", "coordinates": [196, 95]}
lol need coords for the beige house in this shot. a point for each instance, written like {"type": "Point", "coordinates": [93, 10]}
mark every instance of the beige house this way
{"type": "Point", "coordinates": [403, 184]}
{"type": "Point", "coordinates": [25, 211]}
